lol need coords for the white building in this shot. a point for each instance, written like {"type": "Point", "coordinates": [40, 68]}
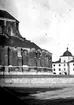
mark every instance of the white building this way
{"type": "Point", "coordinates": [71, 66]}
{"type": "Point", "coordinates": [65, 65]}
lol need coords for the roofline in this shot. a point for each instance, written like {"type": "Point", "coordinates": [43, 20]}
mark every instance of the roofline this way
{"type": "Point", "coordinates": [56, 61]}
{"type": "Point", "coordinates": [21, 38]}
{"type": "Point", "coordinates": [7, 19]}
{"type": "Point", "coordinates": [60, 62]}
{"type": "Point", "coordinates": [24, 48]}
{"type": "Point", "coordinates": [71, 61]}
{"type": "Point", "coordinates": [14, 19]}
{"type": "Point", "coordinates": [46, 51]}
{"type": "Point", "coordinates": [66, 56]}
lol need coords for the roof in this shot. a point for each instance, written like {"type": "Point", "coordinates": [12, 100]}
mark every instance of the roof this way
{"type": "Point", "coordinates": [5, 14]}
{"type": "Point", "coordinates": [16, 42]}
{"type": "Point", "coordinates": [71, 61]}
{"type": "Point", "coordinates": [35, 46]}
{"type": "Point", "coordinates": [59, 61]}
{"type": "Point", "coordinates": [47, 51]}
{"type": "Point", "coordinates": [67, 53]}
{"type": "Point", "coordinates": [31, 44]}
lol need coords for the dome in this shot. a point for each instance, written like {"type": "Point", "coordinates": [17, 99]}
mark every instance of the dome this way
{"type": "Point", "coordinates": [67, 53]}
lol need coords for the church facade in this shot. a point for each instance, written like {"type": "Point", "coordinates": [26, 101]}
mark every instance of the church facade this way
{"type": "Point", "coordinates": [65, 64]}
{"type": "Point", "coordinates": [17, 53]}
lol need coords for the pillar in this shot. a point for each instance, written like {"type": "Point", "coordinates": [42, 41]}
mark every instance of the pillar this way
{"type": "Point", "coordinates": [6, 55]}
{"type": "Point", "coordinates": [6, 58]}
{"type": "Point", "coordinates": [19, 57]}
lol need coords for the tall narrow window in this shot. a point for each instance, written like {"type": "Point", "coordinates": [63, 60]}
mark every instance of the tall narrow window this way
{"type": "Point", "coordinates": [59, 65]}
{"type": "Point", "coordinates": [8, 56]}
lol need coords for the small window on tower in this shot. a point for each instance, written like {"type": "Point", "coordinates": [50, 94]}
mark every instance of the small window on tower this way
{"type": "Point", "coordinates": [54, 65]}
{"type": "Point", "coordinates": [73, 64]}
{"type": "Point", "coordinates": [64, 61]}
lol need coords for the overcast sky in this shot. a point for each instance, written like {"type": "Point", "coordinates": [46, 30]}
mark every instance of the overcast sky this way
{"type": "Point", "coordinates": [48, 23]}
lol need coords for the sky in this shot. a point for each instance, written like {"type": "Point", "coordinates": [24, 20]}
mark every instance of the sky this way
{"type": "Point", "coordinates": [48, 23]}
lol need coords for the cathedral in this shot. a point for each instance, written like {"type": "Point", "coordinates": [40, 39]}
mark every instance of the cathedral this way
{"type": "Point", "coordinates": [65, 64]}
{"type": "Point", "coordinates": [18, 53]}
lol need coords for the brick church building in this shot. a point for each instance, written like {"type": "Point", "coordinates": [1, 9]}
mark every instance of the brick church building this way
{"type": "Point", "coordinates": [17, 53]}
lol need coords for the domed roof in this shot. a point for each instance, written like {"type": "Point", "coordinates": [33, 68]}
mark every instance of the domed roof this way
{"type": "Point", "coordinates": [67, 53]}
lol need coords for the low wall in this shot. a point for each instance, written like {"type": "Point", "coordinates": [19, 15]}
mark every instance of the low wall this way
{"type": "Point", "coordinates": [37, 82]}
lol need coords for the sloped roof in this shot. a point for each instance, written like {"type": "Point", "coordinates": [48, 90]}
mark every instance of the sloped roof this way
{"type": "Point", "coordinates": [59, 61]}
{"type": "Point", "coordinates": [35, 46]}
{"type": "Point", "coordinates": [16, 42]}
{"type": "Point", "coordinates": [71, 61]}
{"type": "Point", "coordinates": [5, 14]}
{"type": "Point", "coordinates": [31, 44]}
{"type": "Point", "coordinates": [47, 51]}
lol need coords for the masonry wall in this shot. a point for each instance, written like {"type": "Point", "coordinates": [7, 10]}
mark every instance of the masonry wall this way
{"type": "Point", "coordinates": [16, 58]}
